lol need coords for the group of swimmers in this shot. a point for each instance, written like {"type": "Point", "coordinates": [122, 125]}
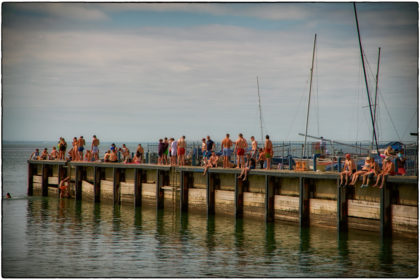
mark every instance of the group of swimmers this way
{"type": "Point", "coordinates": [349, 176]}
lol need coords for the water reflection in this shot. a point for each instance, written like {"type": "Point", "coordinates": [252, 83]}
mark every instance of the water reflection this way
{"type": "Point", "coordinates": [103, 240]}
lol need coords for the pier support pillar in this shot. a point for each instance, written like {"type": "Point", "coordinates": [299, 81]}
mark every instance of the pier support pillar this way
{"type": "Point", "coordinates": [239, 197]}
{"type": "Point", "coordinates": [139, 178]}
{"type": "Point", "coordinates": [97, 184]}
{"type": "Point", "coordinates": [269, 198]}
{"type": "Point", "coordinates": [45, 173]}
{"type": "Point", "coordinates": [342, 207]}
{"type": "Point", "coordinates": [61, 175]}
{"type": "Point", "coordinates": [161, 180]}
{"type": "Point", "coordinates": [31, 172]}
{"type": "Point", "coordinates": [303, 202]}
{"type": "Point", "coordinates": [187, 181]}
{"type": "Point", "coordinates": [212, 181]}
{"type": "Point", "coordinates": [116, 185]}
{"type": "Point", "coordinates": [78, 182]}
{"type": "Point", "coordinates": [385, 209]}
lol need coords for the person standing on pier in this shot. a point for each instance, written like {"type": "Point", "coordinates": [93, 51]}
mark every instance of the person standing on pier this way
{"type": "Point", "coordinates": [95, 148]}
{"type": "Point", "coordinates": [254, 145]}
{"type": "Point", "coordinates": [165, 151]}
{"type": "Point", "coordinates": [182, 144]}
{"type": "Point", "coordinates": [74, 152]}
{"type": "Point", "coordinates": [140, 150]}
{"type": "Point", "coordinates": [160, 151]}
{"type": "Point", "coordinates": [226, 150]}
{"type": "Point", "coordinates": [80, 147]}
{"type": "Point", "coordinates": [174, 150]}
{"type": "Point", "coordinates": [240, 146]}
{"type": "Point", "coordinates": [209, 146]}
{"type": "Point", "coordinates": [268, 149]}
{"type": "Point", "coordinates": [62, 147]}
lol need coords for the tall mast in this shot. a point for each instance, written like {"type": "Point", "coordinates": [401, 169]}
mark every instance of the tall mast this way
{"type": "Point", "coordinates": [309, 101]}
{"type": "Point", "coordinates": [366, 81]}
{"type": "Point", "coordinates": [376, 93]}
{"type": "Point", "coordinates": [259, 106]}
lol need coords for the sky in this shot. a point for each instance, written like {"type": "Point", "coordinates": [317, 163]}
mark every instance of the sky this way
{"type": "Point", "coordinates": [143, 71]}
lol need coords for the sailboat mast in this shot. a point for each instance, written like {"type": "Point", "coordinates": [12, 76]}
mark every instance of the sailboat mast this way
{"type": "Point", "coordinates": [376, 93]}
{"type": "Point", "coordinates": [366, 81]}
{"type": "Point", "coordinates": [259, 106]}
{"type": "Point", "coordinates": [309, 101]}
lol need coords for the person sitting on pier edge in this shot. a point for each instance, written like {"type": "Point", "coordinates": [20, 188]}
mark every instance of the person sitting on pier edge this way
{"type": "Point", "coordinates": [261, 158]}
{"type": "Point", "coordinates": [107, 156]}
{"type": "Point", "coordinates": [240, 146]}
{"type": "Point", "coordinates": [113, 157]}
{"type": "Point", "coordinates": [44, 155]}
{"type": "Point", "coordinates": [400, 164]}
{"type": "Point", "coordinates": [348, 169]}
{"type": "Point", "coordinates": [53, 154]}
{"type": "Point", "coordinates": [250, 164]}
{"type": "Point", "coordinates": [35, 155]}
{"type": "Point", "coordinates": [388, 168]}
{"type": "Point", "coordinates": [212, 162]}
{"type": "Point", "coordinates": [366, 168]}
{"type": "Point", "coordinates": [374, 171]}
{"type": "Point", "coordinates": [268, 150]}
{"type": "Point", "coordinates": [88, 155]}
{"type": "Point", "coordinates": [137, 158]}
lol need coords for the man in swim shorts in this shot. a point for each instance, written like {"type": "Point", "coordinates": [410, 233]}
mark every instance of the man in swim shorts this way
{"type": "Point", "coordinates": [227, 151]}
{"type": "Point", "coordinates": [181, 150]}
{"type": "Point", "coordinates": [268, 150]}
{"type": "Point", "coordinates": [240, 146]}
{"type": "Point", "coordinates": [95, 148]}
{"type": "Point", "coordinates": [209, 146]}
{"type": "Point", "coordinates": [254, 147]}
{"type": "Point", "coordinates": [80, 147]}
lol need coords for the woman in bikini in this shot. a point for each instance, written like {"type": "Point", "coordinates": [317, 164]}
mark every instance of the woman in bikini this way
{"type": "Point", "coordinates": [366, 168]}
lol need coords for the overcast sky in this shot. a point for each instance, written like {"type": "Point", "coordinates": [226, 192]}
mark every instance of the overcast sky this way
{"type": "Point", "coordinates": [139, 71]}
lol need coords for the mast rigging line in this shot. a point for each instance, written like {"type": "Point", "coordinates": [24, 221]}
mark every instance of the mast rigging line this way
{"type": "Point", "coordinates": [309, 101]}
{"type": "Point", "coordinates": [366, 81]}
{"type": "Point", "coordinates": [259, 106]}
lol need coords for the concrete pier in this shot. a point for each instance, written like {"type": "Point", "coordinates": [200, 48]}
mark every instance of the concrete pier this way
{"type": "Point", "coordinates": [307, 198]}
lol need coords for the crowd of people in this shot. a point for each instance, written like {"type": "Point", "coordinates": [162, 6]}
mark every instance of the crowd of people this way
{"type": "Point", "coordinates": [371, 168]}
{"type": "Point", "coordinates": [173, 152]}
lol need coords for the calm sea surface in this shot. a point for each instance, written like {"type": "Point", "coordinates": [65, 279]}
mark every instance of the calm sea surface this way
{"type": "Point", "coordinates": [46, 237]}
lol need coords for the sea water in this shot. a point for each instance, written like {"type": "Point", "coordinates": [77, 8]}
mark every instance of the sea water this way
{"type": "Point", "coordinates": [48, 237]}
